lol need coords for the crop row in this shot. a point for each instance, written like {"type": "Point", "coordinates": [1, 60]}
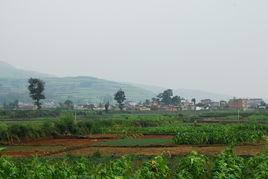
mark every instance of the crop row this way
{"type": "Point", "coordinates": [192, 166]}
{"type": "Point", "coordinates": [220, 134]}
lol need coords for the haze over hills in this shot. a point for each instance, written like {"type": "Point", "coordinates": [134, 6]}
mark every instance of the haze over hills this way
{"type": "Point", "coordinates": [8, 71]}
{"type": "Point", "coordinates": [188, 93]}
{"type": "Point", "coordinates": [81, 89]}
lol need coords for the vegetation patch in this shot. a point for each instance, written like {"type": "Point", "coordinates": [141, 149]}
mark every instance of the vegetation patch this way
{"type": "Point", "coordinates": [128, 142]}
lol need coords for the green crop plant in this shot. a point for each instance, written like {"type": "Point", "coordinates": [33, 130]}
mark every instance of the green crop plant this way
{"type": "Point", "coordinates": [193, 166]}
{"type": "Point", "coordinates": [156, 168]}
{"type": "Point", "coordinates": [227, 165]}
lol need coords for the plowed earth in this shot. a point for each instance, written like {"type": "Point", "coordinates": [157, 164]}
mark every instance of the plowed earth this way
{"type": "Point", "coordinates": [87, 146]}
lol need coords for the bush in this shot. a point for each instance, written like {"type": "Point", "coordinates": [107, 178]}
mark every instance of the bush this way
{"type": "Point", "coordinates": [66, 125]}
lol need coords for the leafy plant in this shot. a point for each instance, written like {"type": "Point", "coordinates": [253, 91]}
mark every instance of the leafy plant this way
{"type": "Point", "coordinates": [227, 166]}
{"type": "Point", "coordinates": [156, 168]}
{"type": "Point", "coordinates": [193, 166]}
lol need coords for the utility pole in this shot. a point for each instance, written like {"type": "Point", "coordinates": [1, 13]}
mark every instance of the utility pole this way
{"type": "Point", "coordinates": [75, 119]}
{"type": "Point", "coordinates": [238, 114]}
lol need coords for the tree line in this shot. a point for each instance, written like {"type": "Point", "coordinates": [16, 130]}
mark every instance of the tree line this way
{"type": "Point", "coordinates": [37, 87]}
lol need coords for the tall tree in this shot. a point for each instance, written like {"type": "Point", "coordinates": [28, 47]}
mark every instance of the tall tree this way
{"type": "Point", "coordinates": [166, 96]}
{"type": "Point", "coordinates": [120, 97]}
{"type": "Point", "coordinates": [194, 101]}
{"type": "Point", "coordinates": [36, 88]}
{"type": "Point", "coordinates": [107, 105]}
{"type": "Point", "coordinates": [176, 100]}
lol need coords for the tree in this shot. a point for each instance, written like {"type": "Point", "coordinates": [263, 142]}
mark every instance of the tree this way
{"type": "Point", "coordinates": [147, 102]}
{"type": "Point", "coordinates": [193, 101]}
{"type": "Point", "coordinates": [68, 104]}
{"type": "Point", "coordinates": [176, 100]}
{"type": "Point", "coordinates": [166, 97]}
{"type": "Point", "coordinates": [106, 100]}
{"type": "Point", "coordinates": [107, 105]}
{"type": "Point", "coordinates": [120, 97]}
{"type": "Point", "coordinates": [36, 88]}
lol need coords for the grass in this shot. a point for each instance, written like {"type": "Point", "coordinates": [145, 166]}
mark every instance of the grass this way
{"type": "Point", "coordinates": [127, 142]}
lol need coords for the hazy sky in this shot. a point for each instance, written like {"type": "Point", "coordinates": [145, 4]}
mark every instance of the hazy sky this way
{"type": "Point", "coordinates": [214, 45]}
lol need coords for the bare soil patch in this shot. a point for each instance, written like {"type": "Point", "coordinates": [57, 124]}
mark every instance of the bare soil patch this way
{"type": "Point", "coordinates": [180, 150]}
{"type": "Point", "coordinates": [72, 141]}
{"type": "Point", "coordinates": [87, 146]}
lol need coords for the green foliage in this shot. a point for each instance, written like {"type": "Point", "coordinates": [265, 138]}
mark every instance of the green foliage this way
{"type": "Point", "coordinates": [117, 168]}
{"type": "Point", "coordinates": [129, 142]}
{"type": "Point", "coordinates": [257, 167]}
{"type": "Point", "coordinates": [193, 166]}
{"type": "Point", "coordinates": [154, 169]}
{"type": "Point", "coordinates": [120, 97]}
{"type": "Point", "coordinates": [8, 169]}
{"type": "Point", "coordinates": [167, 98]}
{"type": "Point", "coordinates": [219, 134]}
{"type": "Point", "coordinates": [227, 165]}
{"type": "Point", "coordinates": [66, 124]}
{"type": "Point", "coordinates": [3, 131]}
{"type": "Point", "coordinates": [36, 88]}
{"type": "Point", "coordinates": [258, 117]}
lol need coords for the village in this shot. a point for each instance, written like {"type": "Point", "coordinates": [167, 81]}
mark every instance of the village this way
{"type": "Point", "coordinates": [151, 105]}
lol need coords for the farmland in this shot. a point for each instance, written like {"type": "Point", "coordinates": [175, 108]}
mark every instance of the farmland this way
{"type": "Point", "coordinates": [77, 144]}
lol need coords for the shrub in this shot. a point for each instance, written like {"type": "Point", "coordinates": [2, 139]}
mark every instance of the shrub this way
{"type": "Point", "coordinates": [66, 124]}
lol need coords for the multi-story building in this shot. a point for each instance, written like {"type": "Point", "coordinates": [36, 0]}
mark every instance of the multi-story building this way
{"type": "Point", "coordinates": [238, 104]}
{"type": "Point", "coordinates": [223, 104]}
{"type": "Point", "coordinates": [206, 102]}
{"type": "Point", "coordinates": [255, 103]}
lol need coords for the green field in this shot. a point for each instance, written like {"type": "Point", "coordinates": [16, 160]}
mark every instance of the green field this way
{"type": "Point", "coordinates": [225, 165]}
{"type": "Point", "coordinates": [137, 142]}
{"type": "Point", "coordinates": [131, 128]}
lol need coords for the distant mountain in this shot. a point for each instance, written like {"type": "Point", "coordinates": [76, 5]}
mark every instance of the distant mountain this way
{"type": "Point", "coordinates": [199, 95]}
{"type": "Point", "coordinates": [13, 86]}
{"type": "Point", "coordinates": [8, 71]}
{"type": "Point", "coordinates": [188, 93]}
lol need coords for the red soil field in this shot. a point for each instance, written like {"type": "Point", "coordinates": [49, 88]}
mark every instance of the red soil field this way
{"type": "Point", "coordinates": [85, 146]}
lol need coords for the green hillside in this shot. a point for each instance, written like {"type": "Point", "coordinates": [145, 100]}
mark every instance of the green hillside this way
{"type": "Point", "coordinates": [77, 89]}
{"type": "Point", "coordinates": [13, 86]}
